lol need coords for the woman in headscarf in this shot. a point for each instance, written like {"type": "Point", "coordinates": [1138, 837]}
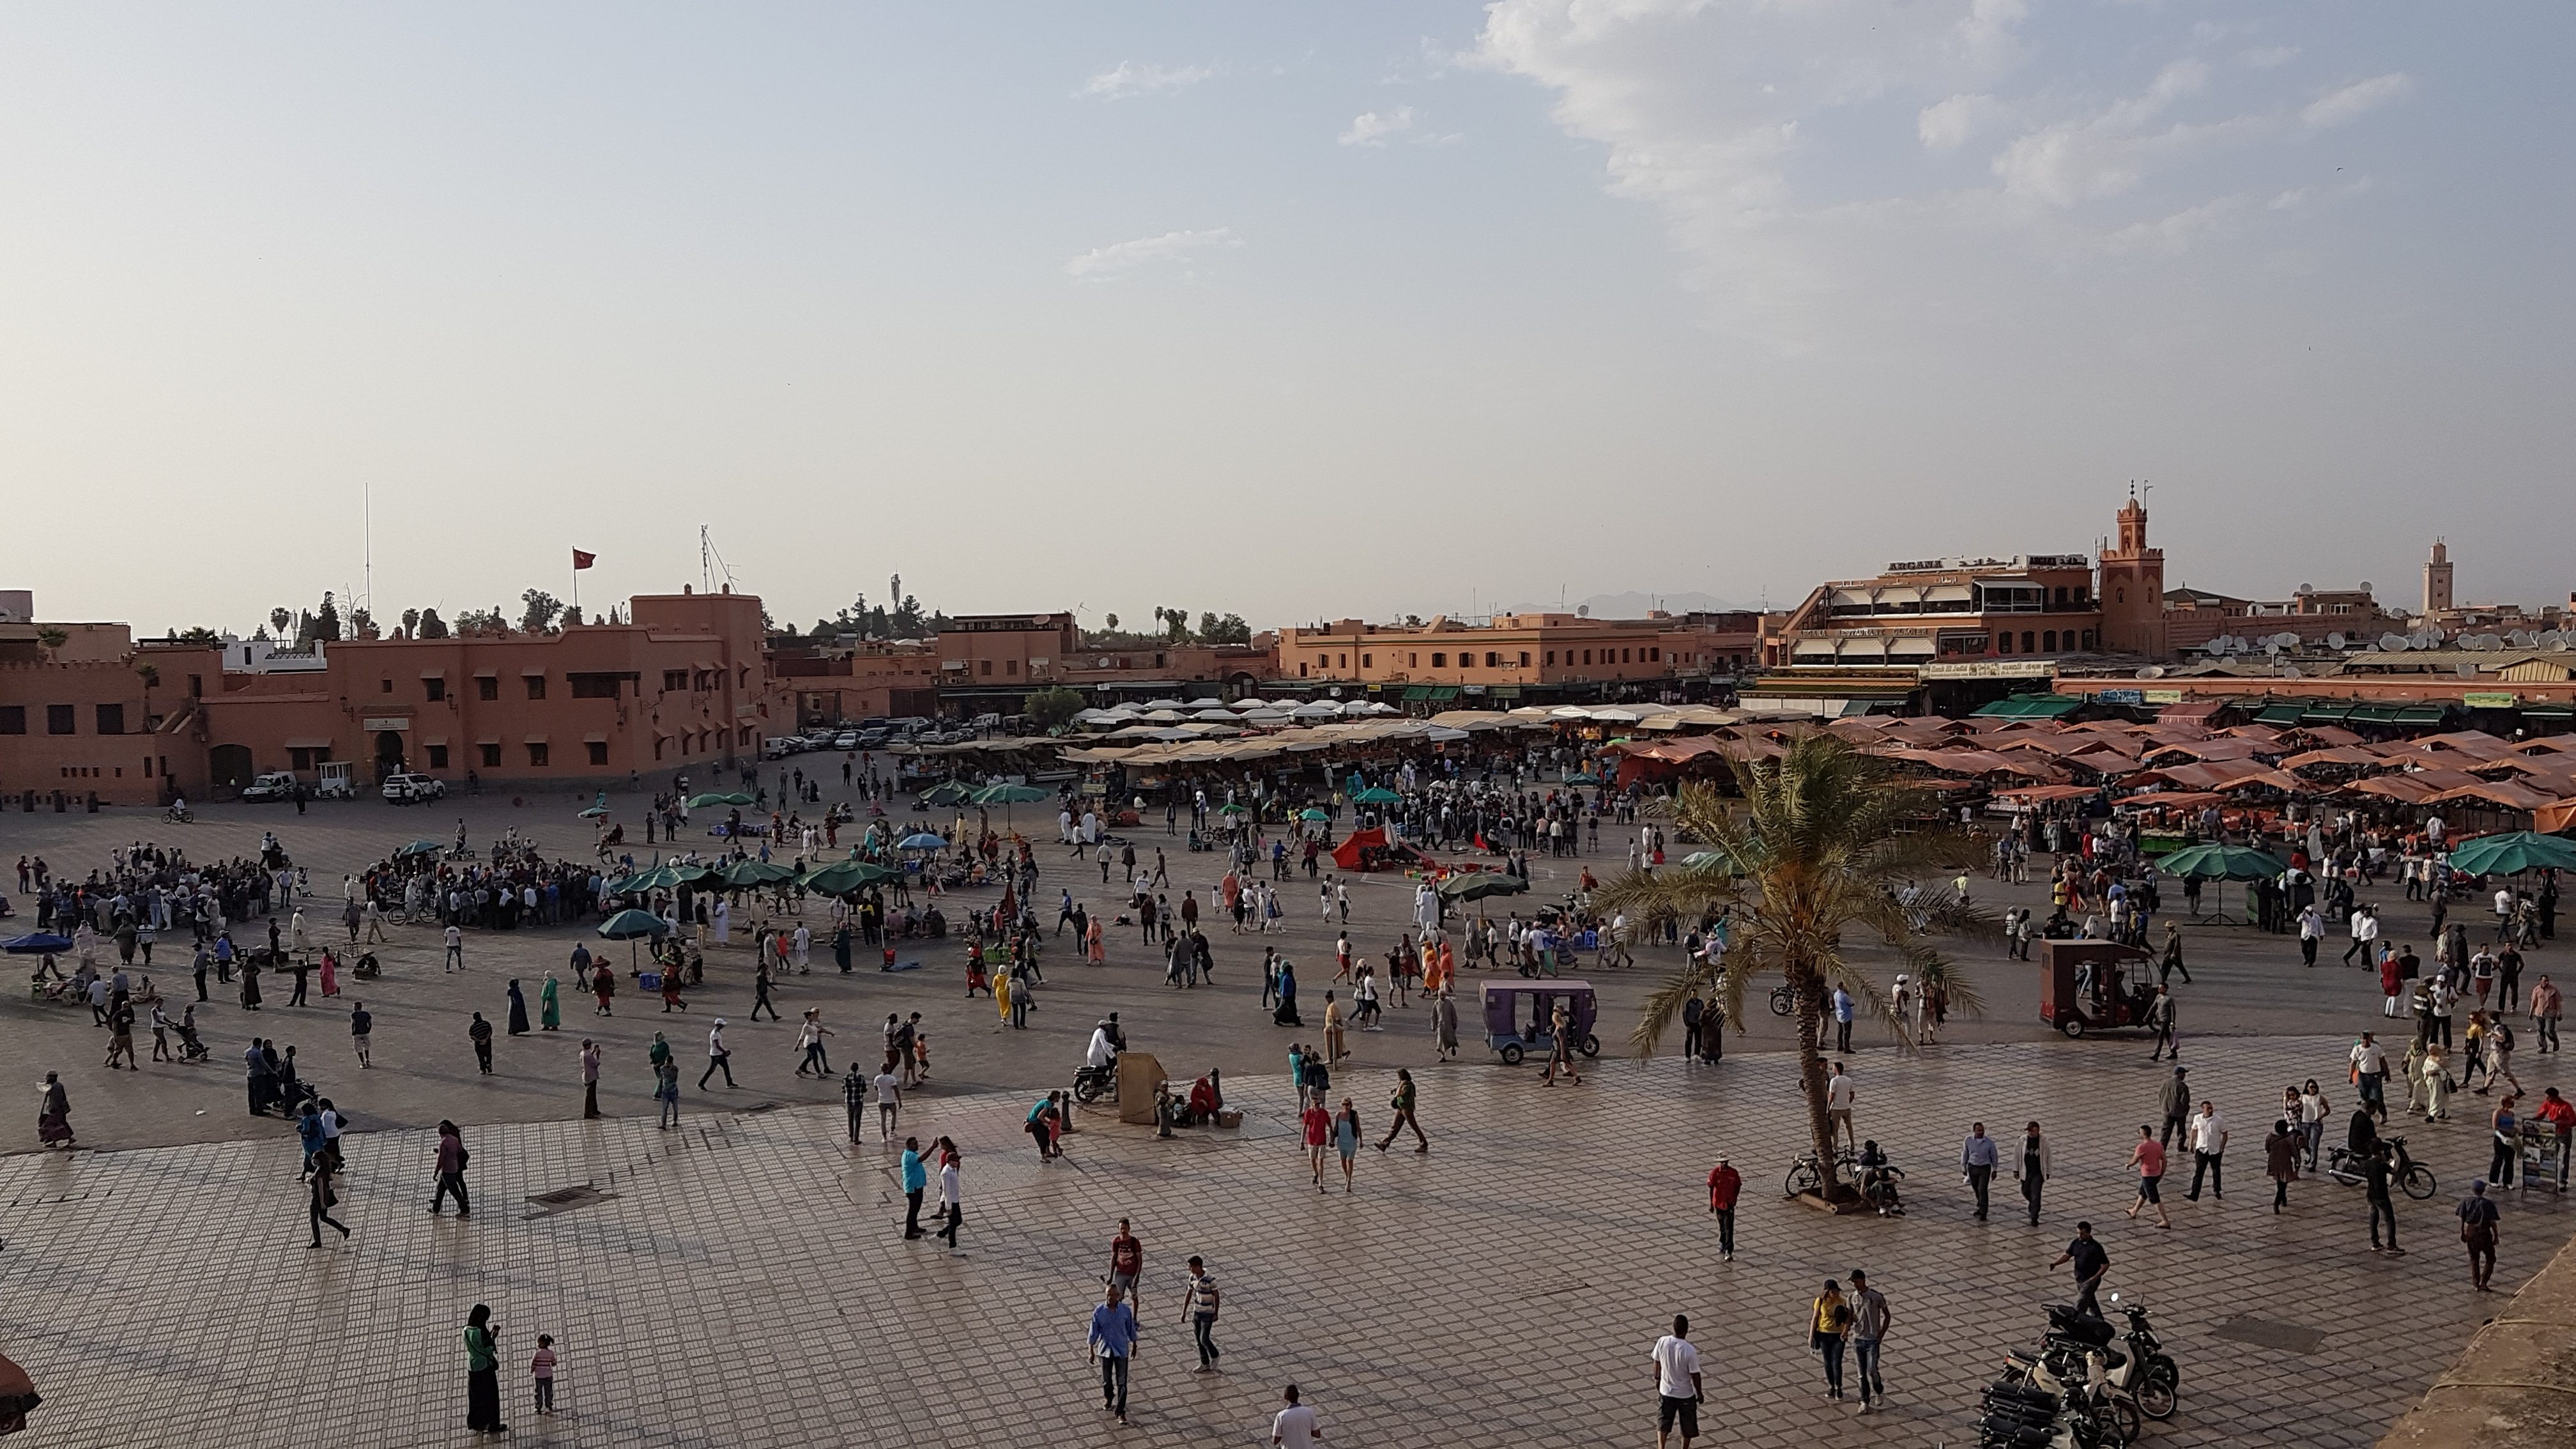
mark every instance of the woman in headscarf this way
{"type": "Point", "coordinates": [482, 1374]}
{"type": "Point", "coordinates": [518, 1010]}
{"type": "Point", "coordinates": [1096, 942]}
{"type": "Point", "coordinates": [549, 1011]}
{"type": "Point", "coordinates": [54, 1114]}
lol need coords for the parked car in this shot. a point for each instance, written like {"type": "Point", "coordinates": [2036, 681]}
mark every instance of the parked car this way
{"type": "Point", "coordinates": [413, 789]}
{"type": "Point", "coordinates": [779, 747]}
{"type": "Point", "coordinates": [275, 785]}
{"type": "Point", "coordinates": [870, 740]}
{"type": "Point", "coordinates": [846, 740]}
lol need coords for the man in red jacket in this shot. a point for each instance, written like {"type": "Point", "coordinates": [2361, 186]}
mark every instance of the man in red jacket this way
{"type": "Point", "coordinates": [1724, 1183]}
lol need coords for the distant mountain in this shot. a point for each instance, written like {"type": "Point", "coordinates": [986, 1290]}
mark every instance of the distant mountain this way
{"type": "Point", "coordinates": [1629, 605]}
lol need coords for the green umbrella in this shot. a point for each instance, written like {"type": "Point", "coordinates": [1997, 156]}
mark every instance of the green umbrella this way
{"type": "Point", "coordinates": [1377, 795]}
{"type": "Point", "coordinates": [1234, 810]}
{"type": "Point", "coordinates": [2222, 862]}
{"type": "Point", "coordinates": [627, 925]}
{"type": "Point", "coordinates": [419, 847]}
{"type": "Point", "coordinates": [845, 877]}
{"type": "Point", "coordinates": [1312, 813]}
{"type": "Point", "coordinates": [1476, 885]}
{"type": "Point", "coordinates": [668, 876]}
{"type": "Point", "coordinates": [748, 874]}
{"type": "Point", "coordinates": [2513, 853]}
{"type": "Point", "coordinates": [1009, 795]}
{"type": "Point", "coordinates": [701, 802]}
{"type": "Point", "coordinates": [950, 793]}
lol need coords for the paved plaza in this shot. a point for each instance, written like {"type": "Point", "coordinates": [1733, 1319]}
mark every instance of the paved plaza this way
{"type": "Point", "coordinates": [741, 1280]}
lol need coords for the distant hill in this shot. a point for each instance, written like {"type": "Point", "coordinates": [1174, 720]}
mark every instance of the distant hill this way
{"type": "Point", "coordinates": [1629, 605]}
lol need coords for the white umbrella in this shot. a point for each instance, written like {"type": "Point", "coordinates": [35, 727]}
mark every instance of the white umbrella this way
{"type": "Point", "coordinates": [1167, 716]}
{"type": "Point", "coordinates": [1265, 716]}
{"type": "Point", "coordinates": [1214, 715]}
{"type": "Point", "coordinates": [1617, 716]}
{"type": "Point", "coordinates": [1161, 704]}
{"type": "Point", "coordinates": [1569, 711]}
{"type": "Point", "coordinates": [1251, 704]}
{"type": "Point", "coordinates": [1315, 711]}
{"type": "Point", "coordinates": [1357, 707]}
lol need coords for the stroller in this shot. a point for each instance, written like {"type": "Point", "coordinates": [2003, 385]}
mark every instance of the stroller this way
{"type": "Point", "coordinates": [191, 1049]}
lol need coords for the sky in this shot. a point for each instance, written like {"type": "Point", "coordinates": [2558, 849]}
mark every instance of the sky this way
{"type": "Point", "coordinates": [1300, 312]}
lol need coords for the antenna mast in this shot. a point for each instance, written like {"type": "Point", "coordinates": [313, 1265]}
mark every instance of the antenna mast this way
{"type": "Point", "coordinates": [710, 562]}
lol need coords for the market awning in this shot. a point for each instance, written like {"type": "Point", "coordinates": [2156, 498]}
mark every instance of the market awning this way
{"type": "Point", "coordinates": [2325, 714]}
{"type": "Point", "coordinates": [1414, 693]}
{"type": "Point", "coordinates": [2033, 706]}
{"type": "Point", "coordinates": [2374, 714]}
{"type": "Point", "coordinates": [1441, 692]}
{"type": "Point", "coordinates": [2423, 714]}
{"type": "Point", "coordinates": [2281, 714]}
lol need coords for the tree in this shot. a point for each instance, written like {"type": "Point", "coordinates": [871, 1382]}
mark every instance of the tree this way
{"type": "Point", "coordinates": [1175, 624]}
{"type": "Point", "coordinates": [1229, 630]}
{"type": "Point", "coordinates": [198, 635]}
{"type": "Point", "coordinates": [150, 674]}
{"type": "Point", "coordinates": [362, 624]}
{"type": "Point", "coordinates": [1052, 706]}
{"type": "Point", "coordinates": [907, 621]}
{"type": "Point", "coordinates": [326, 621]}
{"type": "Point", "coordinates": [51, 637]}
{"type": "Point", "coordinates": [430, 626]}
{"type": "Point", "coordinates": [539, 615]}
{"type": "Point", "coordinates": [411, 623]}
{"type": "Point", "coordinates": [482, 621]}
{"type": "Point", "coordinates": [1113, 623]}
{"type": "Point", "coordinates": [279, 619]}
{"type": "Point", "coordinates": [1820, 855]}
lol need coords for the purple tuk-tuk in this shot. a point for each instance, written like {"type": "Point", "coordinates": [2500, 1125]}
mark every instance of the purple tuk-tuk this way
{"type": "Point", "coordinates": [1520, 1017]}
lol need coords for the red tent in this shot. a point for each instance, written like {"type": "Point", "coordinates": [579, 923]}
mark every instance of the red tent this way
{"type": "Point", "coordinates": [1369, 850]}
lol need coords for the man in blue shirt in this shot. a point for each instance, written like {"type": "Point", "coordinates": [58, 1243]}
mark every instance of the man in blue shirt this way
{"type": "Point", "coordinates": [916, 1178]}
{"type": "Point", "coordinates": [1842, 1020]}
{"type": "Point", "coordinates": [1977, 1158]}
{"type": "Point", "coordinates": [1113, 1337]}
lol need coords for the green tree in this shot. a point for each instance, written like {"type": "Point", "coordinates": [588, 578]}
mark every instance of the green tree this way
{"type": "Point", "coordinates": [907, 621]}
{"type": "Point", "coordinates": [1113, 623]}
{"type": "Point", "coordinates": [326, 621]}
{"type": "Point", "coordinates": [482, 621]}
{"type": "Point", "coordinates": [411, 623]}
{"type": "Point", "coordinates": [539, 611]}
{"type": "Point", "coordinates": [1228, 630]}
{"type": "Point", "coordinates": [431, 626]}
{"type": "Point", "coordinates": [1813, 860]}
{"type": "Point", "coordinates": [278, 620]}
{"type": "Point", "coordinates": [1050, 708]}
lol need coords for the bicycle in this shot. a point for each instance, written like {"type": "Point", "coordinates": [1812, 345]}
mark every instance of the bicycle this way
{"type": "Point", "coordinates": [1807, 1174]}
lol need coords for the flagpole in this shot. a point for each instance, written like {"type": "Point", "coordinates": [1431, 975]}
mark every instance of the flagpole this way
{"type": "Point", "coordinates": [576, 585]}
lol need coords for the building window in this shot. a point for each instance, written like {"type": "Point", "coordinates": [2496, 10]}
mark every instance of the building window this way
{"type": "Point", "coordinates": [487, 687]}
{"type": "Point", "coordinates": [537, 756]}
{"type": "Point", "coordinates": [2048, 641]}
{"type": "Point", "coordinates": [2003, 642]}
{"type": "Point", "coordinates": [433, 690]}
{"type": "Point", "coordinates": [437, 757]}
{"type": "Point", "coordinates": [1587, 656]}
{"type": "Point", "coordinates": [384, 686]}
{"type": "Point", "coordinates": [111, 719]}
{"type": "Point", "coordinates": [673, 681]}
{"type": "Point", "coordinates": [1524, 659]}
{"type": "Point", "coordinates": [592, 686]}
{"type": "Point", "coordinates": [1341, 661]}
{"type": "Point", "coordinates": [1655, 655]}
{"type": "Point", "coordinates": [2124, 596]}
{"type": "Point", "coordinates": [987, 669]}
{"type": "Point", "coordinates": [536, 685]}
{"type": "Point", "coordinates": [13, 719]}
{"type": "Point", "coordinates": [1411, 659]}
{"type": "Point", "coordinates": [1010, 666]}
{"type": "Point", "coordinates": [58, 719]}
{"type": "Point", "coordinates": [1551, 658]}
{"type": "Point", "coordinates": [1439, 661]}
{"type": "Point", "coordinates": [2061, 596]}
{"type": "Point", "coordinates": [491, 756]}
{"type": "Point", "coordinates": [1493, 660]}
{"type": "Point", "coordinates": [2026, 637]}
{"type": "Point", "coordinates": [1366, 660]}
{"type": "Point", "coordinates": [2089, 635]}
{"type": "Point", "coordinates": [1301, 671]}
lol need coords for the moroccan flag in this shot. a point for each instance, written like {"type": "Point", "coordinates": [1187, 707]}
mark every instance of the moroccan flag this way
{"type": "Point", "coordinates": [582, 560]}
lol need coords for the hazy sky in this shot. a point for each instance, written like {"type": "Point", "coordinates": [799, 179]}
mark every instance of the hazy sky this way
{"type": "Point", "coordinates": [1292, 310]}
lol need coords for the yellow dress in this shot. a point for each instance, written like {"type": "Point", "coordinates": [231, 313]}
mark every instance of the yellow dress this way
{"type": "Point", "coordinates": [1002, 995]}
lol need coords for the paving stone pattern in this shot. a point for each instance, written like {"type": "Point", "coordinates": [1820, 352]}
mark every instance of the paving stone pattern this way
{"type": "Point", "coordinates": [741, 1281]}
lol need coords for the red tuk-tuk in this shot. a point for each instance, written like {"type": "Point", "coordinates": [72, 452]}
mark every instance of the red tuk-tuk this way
{"type": "Point", "coordinates": [2093, 986]}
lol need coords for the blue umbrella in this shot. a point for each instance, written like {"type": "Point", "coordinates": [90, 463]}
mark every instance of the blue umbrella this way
{"type": "Point", "coordinates": [923, 841]}
{"type": "Point", "coordinates": [36, 944]}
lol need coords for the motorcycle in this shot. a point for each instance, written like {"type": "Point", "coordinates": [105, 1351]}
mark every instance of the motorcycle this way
{"type": "Point", "coordinates": [2084, 1384]}
{"type": "Point", "coordinates": [2412, 1177]}
{"type": "Point", "coordinates": [1091, 1083]}
{"type": "Point", "coordinates": [179, 815]}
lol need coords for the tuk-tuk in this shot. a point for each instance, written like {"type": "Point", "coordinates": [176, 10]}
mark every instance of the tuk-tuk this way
{"type": "Point", "coordinates": [1520, 1016]}
{"type": "Point", "coordinates": [2093, 986]}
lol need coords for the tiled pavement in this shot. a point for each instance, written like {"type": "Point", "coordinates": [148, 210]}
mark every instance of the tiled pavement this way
{"type": "Point", "coordinates": [742, 1282]}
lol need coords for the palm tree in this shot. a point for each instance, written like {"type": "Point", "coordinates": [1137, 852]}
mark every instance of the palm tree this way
{"type": "Point", "coordinates": [1824, 838]}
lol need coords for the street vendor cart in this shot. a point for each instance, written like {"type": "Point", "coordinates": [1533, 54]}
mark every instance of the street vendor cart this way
{"type": "Point", "coordinates": [2094, 986]}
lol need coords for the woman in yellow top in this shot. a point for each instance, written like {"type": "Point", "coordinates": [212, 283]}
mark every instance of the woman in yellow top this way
{"type": "Point", "coordinates": [1830, 1322]}
{"type": "Point", "coordinates": [1002, 995]}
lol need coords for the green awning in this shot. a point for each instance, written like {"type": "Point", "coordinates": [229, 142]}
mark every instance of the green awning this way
{"type": "Point", "coordinates": [2281, 714]}
{"type": "Point", "coordinates": [1414, 693]}
{"type": "Point", "coordinates": [1440, 692]}
{"type": "Point", "coordinates": [2423, 714]}
{"type": "Point", "coordinates": [1504, 691]}
{"type": "Point", "coordinates": [2325, 714]}
{"type": "Point", "coordinates": [2548, 711]}
{"type": "Point", "coordinates": [2374, 714]}
{"type": "Point", "coordinates": [2033, 706]}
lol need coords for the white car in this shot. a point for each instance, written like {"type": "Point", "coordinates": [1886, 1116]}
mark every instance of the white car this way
{"type": "Point", "coordinates": [846, 740]}
{"type": "Point", "coordinates": [413, 789]}
{"type": "Point", "coordinates": [276, 785]}
{"type": "Point", "coordinates": [779, 747]}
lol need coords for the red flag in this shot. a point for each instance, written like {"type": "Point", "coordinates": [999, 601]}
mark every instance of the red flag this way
{"type": "Point", "coordinates": [582, 560]}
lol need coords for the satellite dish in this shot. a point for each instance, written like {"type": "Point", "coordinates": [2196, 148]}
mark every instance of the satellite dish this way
{"type": "Point", "coordinates": [2553, 639]}
{"type": "Point", "coordinates": [2484, 643]}
{"type": "Point", "coordinates": [2289, 671]}
{"type": "Point", "coordinates": [2465, 670]}
{"type": "Point", "coordinates": [2519, 638]}
{"type": "Point", "coordinates": [2395, 643]}
{"type": "Point", "coordinates": [2334, 641]}
{"type": "Point", "coordinates": [2272, 645]}
{"type": "Point", "coordinates": [2286, 641]}
{"type": "Point", "coordinates": [2152, 671]}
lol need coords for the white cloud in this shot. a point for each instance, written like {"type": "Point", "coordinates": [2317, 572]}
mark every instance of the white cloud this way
{"type": "Point", "coordinates": [1134, 78]}
{"type": "Point", "coordinates": [1105, 263]}
{"type": "Point", "coordinates": [1370, 128]}
{"type": "Point", "coordinates": [2352, 101]}
{"type": "Point", "coordinates": [1948, 125]}
{"type": "Point", "coordinates": [2269, 56]}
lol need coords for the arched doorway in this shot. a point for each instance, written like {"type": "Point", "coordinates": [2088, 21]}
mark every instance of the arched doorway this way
{"type": "Point", "coordinates": [389, 753]}
{"type": "Point", "coordinates": [229, 765]}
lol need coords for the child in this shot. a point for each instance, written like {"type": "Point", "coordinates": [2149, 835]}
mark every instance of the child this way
{"type": "Point", "coordinates": [921, 1053]}
{"type": "Point", "coordinates": [543, 1367]}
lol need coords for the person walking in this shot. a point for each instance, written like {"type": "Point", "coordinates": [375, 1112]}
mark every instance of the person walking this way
{"type": "Point", "coordinates": [518, 1009]}
{"type": "Point", "coordinates": [362, 1030]}
{"type": "Point", "coordinates": [1294, 1427]}
{"type": "Point", "coordinates": [54, 1114]}
{"type": "Point", "coordinates": [1829, 1324]}
{"type": "Point", "coordinates": [482, 1372]}
{"type": "Point", "coordinates": [718, 1058]}
{"type": "Point", "coordinates": [452, 1158]}
{"type": "Point", "coordinates": [2479, 1224]}
{"type": "Point", "coordinates": [318, 1206]}
{"type": "Point", "coordinates": [1869, 1324]}
{"type": "Point", "coordinates": [2547, 1006]}
{"type": "Point", "coordinates": [549, 1006]}
{"type": "Point", "coordinates": [1318, 1126]}
{"type": "Point", "coordinates": [1725, 1186]}
{"type": "Point", "coordinates": [2208, 1151]}
{"type": "Point", "coordinates": [2175, 1099]}
{"type": "Point", "coordinates": [916, 1180]}
{"type": "Point", "coordinates": [2378, 1170]}
{"type": "Point", "coordinates": [2032, 1167]}
{"type": "Point", "coordinates": [1346, 1141]}
{"type": "Point", "coordinates": [455, 949]}
{"type": "Point", "coordinates": [1977, 1158]}
{"type": "Point", "coordinates": [666, 1090]}
{"type": "Point", "coordinates": [952, 1204]}
{"type": "Point", "coordinates": [1200, 1303]}
{"type": "Point", "coordinates": [1842, 1004]}
{"type": "Point", "coordinates": [2505, 1128]}
{"type": "Point", "coordinates": [1400, 1101]}
{"type": "Point", "coordinates": [1111, 1340]}
{"type": "Point", "coordinates": [2160, 1015]}
{"type": "Point", "coordinates": [1679, 1390]}
{"type": "Point", "coordinates": [541, 1373]}
{"type": "Point", "coordinates": [2091, 1262]}
{"type": "Point", "coordinates": [590, 1059]}
{"type": "Point", "coordinates": [2370, 1075]}
{"type": "Point", "coordinates": [479, 1032]}
{"type": "Point", "coordinates": [809, 1040]}
{"type": "Point", "coordinates": [2281, 1161]}
{"type": "Point", "coordinates": [1840, 1097]}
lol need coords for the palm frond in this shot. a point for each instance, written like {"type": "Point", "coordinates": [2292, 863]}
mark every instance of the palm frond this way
{"type": "Point", "coordinates": [1663, 1006]}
